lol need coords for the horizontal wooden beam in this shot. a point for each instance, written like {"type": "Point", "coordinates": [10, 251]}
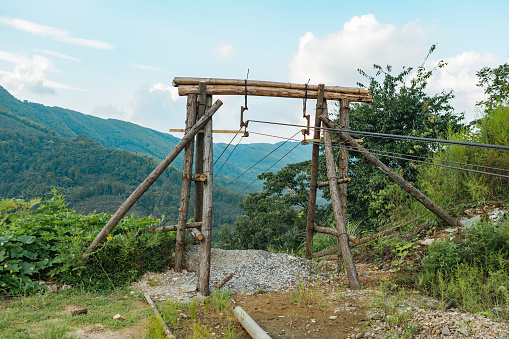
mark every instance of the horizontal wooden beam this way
{"type": "Point", "coordinates": [326, 183]}
{"type": "Point", "coordinates": [226, 131]}
{"type": "Point", "coordinates": [334, 232]}
{"type": "Point", "coordinates": [271, 92]}
{"type": "Point", "coordinates": [170, 228]}
{"type": "Point", "coordinates": [333, 140]}
{"type": "Point", "coordinates": [179, 81]}
{"type": "Point", "coordinates": [195, 177]}
{"type": "Point", "coordinates": [196, 233]}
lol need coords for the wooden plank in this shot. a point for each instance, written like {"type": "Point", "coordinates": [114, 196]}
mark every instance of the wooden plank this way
{"type": "Point", "coordinates": [418, 195]}
{"type": "Point", "coordinates": [271, 92]}
{"type": "Point", "coordinates": [185, 192]}
{"type": "Point", "coordinates": [170, 228]}
{"type": "Point", "coordinates": [314, 177]}
{"type": "Point", "coordinates": [206, 229]}
{"type": "Point", "coordinates": [337, 209]}
{"type": "Point", "coordinates": [138, 192]}
{"type": "Point", "coordinates": [177, 82]}
{"type": "Point", "coordinates": [224, 131]}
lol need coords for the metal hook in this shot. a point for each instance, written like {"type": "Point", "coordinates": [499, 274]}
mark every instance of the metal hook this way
{"type": "Point", "coordinates": [308, 117]}
{"type": "Point", "coordinates": [244, 108]}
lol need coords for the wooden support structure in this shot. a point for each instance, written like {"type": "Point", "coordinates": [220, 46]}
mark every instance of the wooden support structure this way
{"type": "Point", "coordinates": [198, 164]}
{"type": "Point", "coordinates": [220, 131]}
{"type": "Point", "coordinates": [326, 183]}
{"type": "Point", "coordinates": [185, 192]}
{"type": "Point", "coordinates": [418, 195]}
{"type": "Point", "coordinates": [339, 216]}
{"type": "Point", "coordinates": [138, 192]}
{"type": "Point", "coordinates": [206, 229]}
{"type": "Point", "coordinates": [171, 228]}
{"type": "Point", "coordinates": [314, 176]}
{"type": "Point", "coordinates": [335, 233]}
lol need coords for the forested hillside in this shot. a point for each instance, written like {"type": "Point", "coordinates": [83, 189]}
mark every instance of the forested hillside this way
{"type": "Point", "coordinates": [34, 160]}
{"type": "Point", "coordinates": [134, 138]}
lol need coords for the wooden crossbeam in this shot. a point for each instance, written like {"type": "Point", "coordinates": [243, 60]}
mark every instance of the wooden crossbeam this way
{"type": "Point", "coordinates": [333, 140]}
{"type": "Point", "coordinates": [225, 131]}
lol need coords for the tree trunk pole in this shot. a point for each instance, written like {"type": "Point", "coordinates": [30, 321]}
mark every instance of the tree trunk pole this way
{"type": "Point", "coordinates": [206, 229]}
{"type": "Point", "coordinates": [337, 209]}
{"type": "Point", "coordinates": [198, 164]}
{"type": "Point", "coordinates": [344, 122]}
{"type": "Point", "coordinates": [138, 192]}
{"type": "Point", "coordinates": [418, 195]}
{"type": "Point", "coordinates": [185, 192]}
{"type": "Point", "coordinates": [314, 176]}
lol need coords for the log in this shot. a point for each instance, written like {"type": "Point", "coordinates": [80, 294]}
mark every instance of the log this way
{"type": "Point", "coordinates": [271, 92]}
{"type": "Point", "coordinates": [326, 183]}
{"type": "Point", "coordinates": [339, 217]}
{"type": "Point", "coordinates": [185, 192]}
{"type": "Point", "coordinates": [313, 177]}
{"type": "Point", "coordinates": [333, 140]}
{"type": "Point", "coordinates": [331, 231]}
{"type": "Point", "coordinates": [138, 192]}
{"type": "Point", "coordinates": [199, 177]}
{"type": "Point", "coordinates": [361, 241]}
{"type": "Point", "coordinates": [237, 82]}
{"type": "Point", "coordinates": [206, 229]}
{"type": "Point", "coordinates": [158, 316]}
{"type": "Point", "coordinates": [224, 280]}
{"type": "Point", "coordinates": [171, 228]}
{"type": "Point", "coordinates": [418, 195]}
{"type": "Point", "coordinates": [254, 330]}
{"type": "Point", "coordinates": [196, 233]}
{"type": "Point", "coordinates": [344, 122]}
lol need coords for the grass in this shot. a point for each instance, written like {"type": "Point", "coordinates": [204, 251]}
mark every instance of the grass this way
{"type": "Point", "coordinates": [46, 314]}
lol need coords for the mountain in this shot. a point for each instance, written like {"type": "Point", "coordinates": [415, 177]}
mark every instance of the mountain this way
{"type": "Point", "coordinates": [94, 178]}
{"type": "Point", "coordinates": [134, 138]}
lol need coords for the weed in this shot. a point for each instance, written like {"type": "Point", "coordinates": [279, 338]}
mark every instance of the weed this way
{"type": "Point", "coordinates": [155, 329]}
{"type": "Point", "coordinates": [57, 330]}
{"type": "Point", "coordinates": [200, 331]}
{"type": "Point", "coordinates": [221, 298]}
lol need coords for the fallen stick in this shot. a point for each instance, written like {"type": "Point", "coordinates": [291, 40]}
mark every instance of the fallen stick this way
{"type": "Point", "coordinates": [158, 316]}
{"type": "Point", "coordinates": [254, 330]}
{"type": "Point", "coordinates": [224, 281]}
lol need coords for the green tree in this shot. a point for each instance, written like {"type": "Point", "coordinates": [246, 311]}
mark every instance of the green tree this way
{"type": "Point", "coordinates": [495, 82]}
{"type": "Point", "coordinates": [401, 106]}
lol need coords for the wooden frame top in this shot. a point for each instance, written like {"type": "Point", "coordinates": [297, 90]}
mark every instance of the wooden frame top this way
{"type": "Point", "coordinates": [216, 86]}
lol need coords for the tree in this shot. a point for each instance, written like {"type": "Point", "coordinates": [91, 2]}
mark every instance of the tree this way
{"type": "Point", "coordinates": [495, 82]}
{"type": "Point", "coordinates": [401, 106]}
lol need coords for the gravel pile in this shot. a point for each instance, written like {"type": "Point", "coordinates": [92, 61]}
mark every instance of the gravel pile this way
{"type": "Point", "coordinates": [253, 271]}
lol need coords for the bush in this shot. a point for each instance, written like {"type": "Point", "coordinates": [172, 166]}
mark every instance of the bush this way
{"type": "Point", "coordinates": [48, 242]}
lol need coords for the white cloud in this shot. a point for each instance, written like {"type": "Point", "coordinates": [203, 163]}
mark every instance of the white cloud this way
{"type": "Point", "coordinates": [362, 42]}
{"type": "Point", "coordinates": [225, 51]}
{"type": "Point", "coordinates": [111, 111]}
{"type": "Point", "coordinates": [57, 54]}
{"type": "Point", "coordinates": [54, 33]}
{"type": "Point", "coordinates": [29, 74]}
{"type": "Point", "coordinates": [173, 91]}
{"type": "Point", "coordinates": [147, 68]}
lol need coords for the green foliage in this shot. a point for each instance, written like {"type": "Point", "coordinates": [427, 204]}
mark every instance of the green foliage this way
{"type": "Point", "coordinates": [472, 270]}
{"type": "Point", "coordinates": [47, 244]}
{"type": "Point", "coordinates": [275, 218]}
{"type": "Point", "coordinates": [453, 188]}
{"type": "Point", "coordinates": [401, 106]}
{"type": "Point", "coordinates": [495, 82]}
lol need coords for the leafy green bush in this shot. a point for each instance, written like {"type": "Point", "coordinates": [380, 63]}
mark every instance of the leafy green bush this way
{"type": "Point", "coordinates": [48, 242]}
{"type": "Point", "coordinates": [473, 270]}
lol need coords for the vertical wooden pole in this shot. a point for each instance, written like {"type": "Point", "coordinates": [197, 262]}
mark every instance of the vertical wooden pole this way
{"type": "Point", "coordinates": [314, 176]}
{"type": "Point", "coordinates": [336, 207]}
{"type": "Point", "coordinates": [344, 122]}
{"type": "Point", "coordinates": [206, 229]}
{"type": "Point", "coordinates": [186, 184]}
{"type": "Point", "coordinates": [198, 163]}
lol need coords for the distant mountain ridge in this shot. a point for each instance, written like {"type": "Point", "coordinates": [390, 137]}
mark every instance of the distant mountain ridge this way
{"type": "Point", "coordinates": [134, 138]}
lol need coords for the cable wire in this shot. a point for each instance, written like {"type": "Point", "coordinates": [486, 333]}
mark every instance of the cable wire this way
{"type": "Point", "coordinates": [215, 174]}
{"type": "Point", "coordinates": [220, 155]}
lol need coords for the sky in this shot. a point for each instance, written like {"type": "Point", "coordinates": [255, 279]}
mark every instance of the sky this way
{"type": "Point", "coordinates": [117, 59]}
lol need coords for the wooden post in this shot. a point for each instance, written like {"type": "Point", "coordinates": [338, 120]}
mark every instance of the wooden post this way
{"type": "Point", "coordinates": [337, 209]}
{"type": "Point", "coordinates": [344, 122]}
{"type": "Point", "coordinates": [185, 192]}
{"type": "Point", "coordinates": [138, 192]}
{"type": "Point", "coordinates": [198, 164]}
{"type": "Point", "coordinates": [418, 195]}
{"type": "Point", "coordinates": [206, 229]}
{"type": "Point", "coordinates": [314, 176]}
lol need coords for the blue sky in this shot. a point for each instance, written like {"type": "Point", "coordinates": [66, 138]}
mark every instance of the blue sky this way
{"type": "Point", "coordinates": [117, 59]}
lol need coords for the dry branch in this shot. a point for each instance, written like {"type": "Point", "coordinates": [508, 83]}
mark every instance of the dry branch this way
{"type": "Point", "coordinates": [327, 230]}
{"type": "Point", "coordinates": [224, 281]}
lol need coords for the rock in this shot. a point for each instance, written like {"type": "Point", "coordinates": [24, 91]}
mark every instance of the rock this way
{"type": "Point", "coordinates": [79, 311]}
{"type": "Point", "coordinates": [427, 242]}
{"type": "Point", "coordinates": [497, 215]}
{"type": "Point", "coordinates": [463, 330]}
{"type": "Point", "coordinates": [446, 331]}
{"type": "Point", "coordinates": [450, 230]}
{"type": "Point", "coordinates": [468, 223]}
{"type": "Point", "coordinates": [333, 317]}
{"type": "Point", "coordinates": [119, 317]}
{"type": "Point", "coordinates": [200, 297]}
{"type": "Point", "coordinates": [188, 288]}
